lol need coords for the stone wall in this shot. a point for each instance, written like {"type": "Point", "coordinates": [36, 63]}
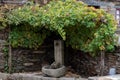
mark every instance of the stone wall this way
{"type": "Point", "coordinates": [86, 65]}
{"type": "Point", "coordinates": [110, 8]}
{"type": "Point", "coordinates": [2, 61]}
{"type": "Point", "coordinates": [3, 37]}
{"type": "Point", "coordinates": [25, 60]}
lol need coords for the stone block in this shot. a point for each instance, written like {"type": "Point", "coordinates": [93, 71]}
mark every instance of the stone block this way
{"type": "Point", "coordinates": [100, 78]}
{"type": "Point", "coordinates": [16, 76]}
{"type": "Point", "coordinates": [82, 79]}
{"type": "Point", "coordinates": [67, 78]}
{"type": "Point", "coordinates": [28, 64]}
{"type": "Point", "coordinates": [2, 41]}
{"type": "Point", "coordinates": [62, 78]}
{"type": "Point", "coordinates": [4, 76]}
{"type": "Point", "coordinates": [1, 67]}
{"type": "Point", "coordinates": [109, 77]}
{"type": "Point", "coordinates": [23, 76]}
{"type": "Point", "coordinates": [48, 78]}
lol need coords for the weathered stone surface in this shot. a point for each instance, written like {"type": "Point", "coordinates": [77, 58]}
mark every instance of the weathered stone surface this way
{"type": "Point", "coordinates": [48, 78]}
{"type": "Point", "coordinates": [38, 52]}
{"type": "Point", "coordinates": [28, 64]}
{"type": "Point", "coordinates": [2, 44]}
{"type": "Point", "coordinates": [110, 77]}
{"type": "Point", "coordinates": [1, 67]}
{"type": "Point", "coordinates": [4, 76]}
{"type": "Point", "coordinates": [102, 78]}
{"type": "Point", "coordinates": [67, 78]}
{"type": "Point", "coordinates": [2, 61]}
{"type": "Point", "coordinates": [59, 52]}
{"type": "Point", "coordinates": [24, 76]}
{"type": "Point", "coordinates": [29, 60]}
{"type": "Point", "coordinates": [82, 79]}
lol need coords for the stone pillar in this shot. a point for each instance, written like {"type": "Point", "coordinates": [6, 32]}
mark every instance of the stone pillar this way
{"type": "Point", "coordinates": [59, 52]}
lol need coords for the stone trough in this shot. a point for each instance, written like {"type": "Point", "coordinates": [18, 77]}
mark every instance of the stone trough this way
{"type": "Point", "coordinates": [54, 72]}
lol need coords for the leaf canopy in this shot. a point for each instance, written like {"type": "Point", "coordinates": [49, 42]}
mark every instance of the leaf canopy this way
{"type": "Point", "coordinates": [82, 27]}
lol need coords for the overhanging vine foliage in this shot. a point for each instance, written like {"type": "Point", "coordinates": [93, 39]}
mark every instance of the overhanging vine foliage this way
{"type": "Point", "coordinates": [82, 27]}
{"type": "Point", "coordinates": [2, 18]}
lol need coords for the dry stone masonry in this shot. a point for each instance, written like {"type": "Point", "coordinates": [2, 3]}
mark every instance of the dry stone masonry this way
{"type": "Point", "coordinates": [3, 37]}
{"type": "Point", "coordinates": [25, 60]}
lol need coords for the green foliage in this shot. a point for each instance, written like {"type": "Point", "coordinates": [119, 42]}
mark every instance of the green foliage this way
{"type": "Point", "coordinates": [2, 17]}
{"type": "Point", "coordinates": [26, 30]}
{"type": "Point", "coordinates": [94, 32]}
{"type": "Point", "coordinates": [82, 27]}
{"type": "Point", "coordinates": [28, 38]}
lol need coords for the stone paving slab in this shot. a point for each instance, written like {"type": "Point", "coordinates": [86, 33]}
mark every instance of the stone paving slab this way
{"type": "Point", "coordinates": [63, 78]}
{"type": "Point", "coordinates": [27, 76]}
{"type": "Point", "coordinates": [67, 78]}
{"type": "Point", "coordinates": [82, 79]}
{"type": "Point", "coordinates": [24, 76]}
{"type": "Point", "coordinates": [4, 76]}
{"type": "Point", "coordinates": [109, 77]}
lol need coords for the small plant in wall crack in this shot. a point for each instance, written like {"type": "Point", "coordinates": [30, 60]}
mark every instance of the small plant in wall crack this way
{"type": "Point", "coordinates": [5, 51]}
